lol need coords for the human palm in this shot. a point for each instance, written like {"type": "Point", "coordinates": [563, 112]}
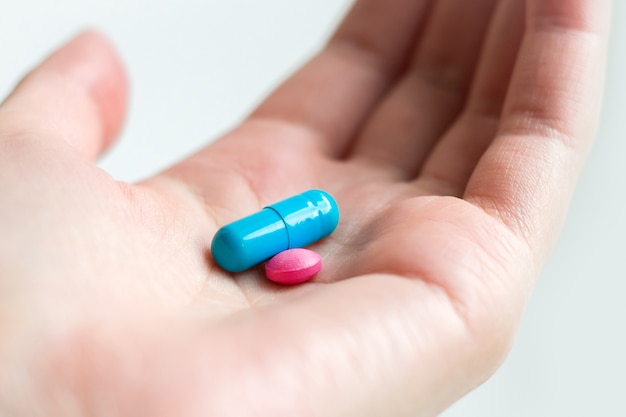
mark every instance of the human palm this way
{"type": "Point", "coordinates": [450, 137]}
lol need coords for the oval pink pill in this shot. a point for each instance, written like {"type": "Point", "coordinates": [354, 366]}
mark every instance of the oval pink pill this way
{"type": "Point", "coordinates": [293, 266]}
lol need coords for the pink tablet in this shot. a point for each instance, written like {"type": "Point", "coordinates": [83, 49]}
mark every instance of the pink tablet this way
{"type": "Point", "coordinates": [293, 266]}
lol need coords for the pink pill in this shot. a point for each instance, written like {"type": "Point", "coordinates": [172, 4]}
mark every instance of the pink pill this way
{"type": "Point", "coordinates": [293, 266]}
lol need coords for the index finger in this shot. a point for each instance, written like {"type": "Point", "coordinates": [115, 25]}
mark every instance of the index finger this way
{"type": "Point", "coordinates": [527, 175]}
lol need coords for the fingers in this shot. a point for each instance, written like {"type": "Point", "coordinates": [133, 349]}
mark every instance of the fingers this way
{"type": "Point", "coordinates": [449, 166]}
{"type": "Point", "coordinates": [431, 94]}
{"type": "Point", "coordinates": [333, 94]}
{"type": "Point", "coordinates": [78, 94]}
{"type": "Point", "coordinates": [527, 175]}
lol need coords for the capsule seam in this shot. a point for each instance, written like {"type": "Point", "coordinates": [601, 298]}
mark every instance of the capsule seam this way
{"type": "Point", "coordinates": [284, 222]}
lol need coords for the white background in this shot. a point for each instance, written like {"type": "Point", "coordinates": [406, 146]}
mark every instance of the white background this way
{"type": "Point", "coordinates": [198, 67]}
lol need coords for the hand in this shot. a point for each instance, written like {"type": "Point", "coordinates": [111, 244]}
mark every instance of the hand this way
{"type": "Point", "coordinates": [451, 134]}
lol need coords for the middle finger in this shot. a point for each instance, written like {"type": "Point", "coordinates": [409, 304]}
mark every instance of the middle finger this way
{"type": "Point", "coordinates": [431, 94]}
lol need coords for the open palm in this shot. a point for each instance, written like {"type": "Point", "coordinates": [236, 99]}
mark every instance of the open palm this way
{"type": "Point", "coordinates": [450, 134]}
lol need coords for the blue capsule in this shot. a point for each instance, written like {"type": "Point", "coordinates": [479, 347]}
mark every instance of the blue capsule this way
{"type": "Point", "coordinates": [292, 223]}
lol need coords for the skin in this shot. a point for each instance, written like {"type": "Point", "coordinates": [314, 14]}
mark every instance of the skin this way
{"type": "Point", "coordinates": [451, 134]}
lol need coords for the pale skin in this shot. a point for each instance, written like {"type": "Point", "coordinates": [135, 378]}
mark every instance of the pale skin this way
{"type": "Point", "coordinates": [451, 133]}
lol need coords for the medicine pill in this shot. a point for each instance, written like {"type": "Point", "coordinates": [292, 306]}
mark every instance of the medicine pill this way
{"type": "Point", "coordinates": [293, 266]}
{"type": "Point", "coordinates": [292, 223]}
